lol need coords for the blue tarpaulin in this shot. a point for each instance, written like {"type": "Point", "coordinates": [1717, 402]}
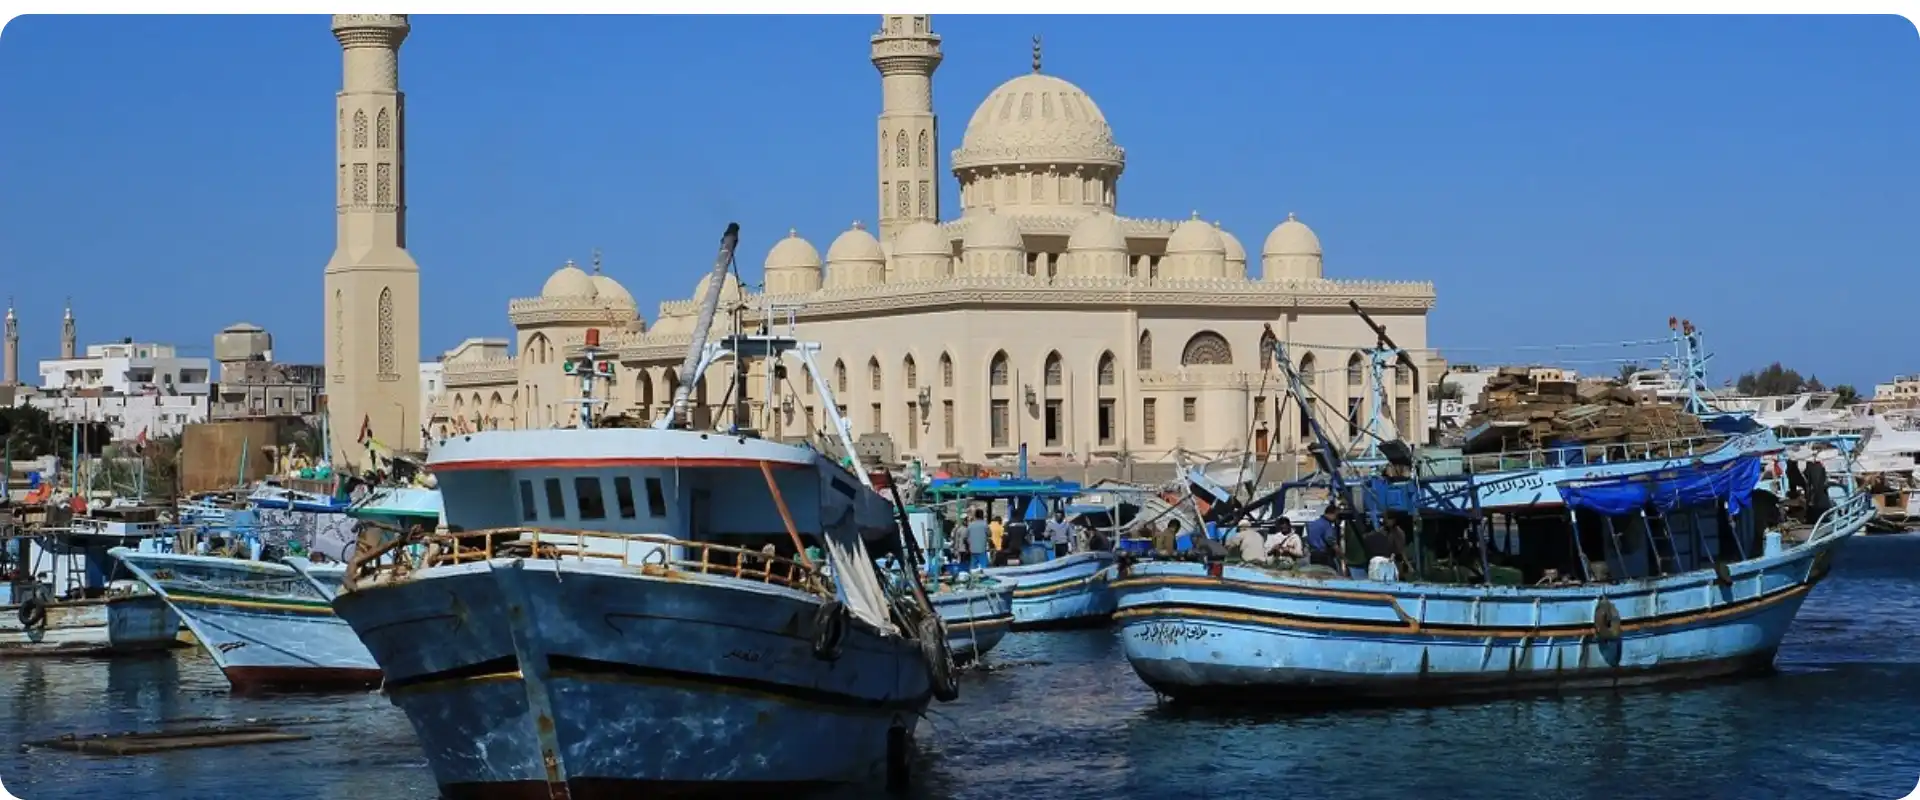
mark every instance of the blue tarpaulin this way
{"type": "Point", "coordinates": [1731, 482]}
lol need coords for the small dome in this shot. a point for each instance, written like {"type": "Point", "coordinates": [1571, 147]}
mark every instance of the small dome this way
{"type": "Point", "coordinates": [991, 231]}
{"type": "Point", "coordinates": [1236, 253]}
{"type": "Point", "coordinates": [238, 327]}
{"type": "Point", "coordinates": [1100, 232]}
{"type": "Point", "coordinates": [729, 291]}
{"type": "Point", "coordinates": [610, 291]}
{"type": "Point", "coordinates": [922, 238]}
{"type": "Point", "coordinates": [1037, 118]}
{"type": "Point", "coordinates": [856, 244]}
{"type": "Point", "coordinates": [793, 252]}
{"type": "Point", "coordinates": [569, 281]}
{"type": "Point", "coordinates": [1291, 238]}
{"type": "Point", "coordinates": [1195, 236]}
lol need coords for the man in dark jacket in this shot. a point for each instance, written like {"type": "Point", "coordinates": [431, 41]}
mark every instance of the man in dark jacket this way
{"type": "Point", "coordinates": [1817, 500]}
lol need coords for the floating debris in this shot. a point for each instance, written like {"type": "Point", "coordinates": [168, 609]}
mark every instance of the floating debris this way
{"type": "Point", "coordinates": [133, 743]}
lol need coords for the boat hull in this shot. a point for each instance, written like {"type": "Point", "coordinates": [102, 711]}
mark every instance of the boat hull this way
{"type": "Point", "coordinates": [1298, 641]}
{"type": "Point", "coordinates": [264, 625]}
{"type": "Point", "coordinates": [976, 618]}
{"type": "Point", "coordinates": [1068, 592]}
{"type": "Point", "coordinates": [135, 623]}
{"type": "Point", "coordinates": [543, 678]}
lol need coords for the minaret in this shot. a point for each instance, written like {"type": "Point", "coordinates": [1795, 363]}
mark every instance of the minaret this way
{"type": "Point", "coordinates": [907, 51]}
{"type": "Point", "coordinates": [69, 336]}
{"type": "Point", "coordinates": [372, 285]}
{"type": "Point", "coordinates": [10, 370]}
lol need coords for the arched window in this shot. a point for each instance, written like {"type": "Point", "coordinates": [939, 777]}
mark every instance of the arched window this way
{"type": "Point", "coordinates": [873, 370]}
{"type": "Point", "coordinates": [997, 369]}
{"type": "Point", "coordinates": [1206, 347]}
{"type": "Point", "coordinates": [946, 370]}
{"type": "Point", "coordinates": [383, 131]}
{"type": "Point", "coordinates": [1106, 369]}
{"type": "Point", "coordinates": [387, 369]}
{"type": "Point", "coordinates": [1356, 373]}
{"type": "Point", "coordinates": [1144, 360]}
{"type": "Point", "coordinates": [840, 376]}
{"type": "Point", "coordinates": [924, 149]}
{"type": "Point", "coordinates": [900, 149]}
{"type": "Point", "coordinates": [913, 374]}
{"type": "Point", "coordinates": [1267, 342]}
{"type": "Point", "coordinates": [1308, 368]}
{"type": "Point", "coordinates": [1053, 373]}
{"type": "Point", "coordinates": [359, 129]}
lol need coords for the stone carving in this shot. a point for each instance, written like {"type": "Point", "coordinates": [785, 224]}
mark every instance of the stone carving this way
{"type": "Point", "coordinates": [359, 184]}
{"type": "Point", "coordinates": [383, 131]}
{"type": "Point", "coordinates": [383, 185]}
{"type": "Point", "coordinates": [921, 161]}
{"type": "Point", "coordinates": [900, 149]}
{"type": "Point", "coordinates": [1206, 347]}
{"type": "Point", "coordinates": [387, 367]}
{"type": "Point", "coordinates": [926, 207]}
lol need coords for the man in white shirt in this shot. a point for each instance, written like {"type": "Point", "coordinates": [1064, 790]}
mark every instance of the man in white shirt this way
{"type": "Point", "coordinates": [1248, 543]}
{"type": "Point", "coordinates": [1285, 543]}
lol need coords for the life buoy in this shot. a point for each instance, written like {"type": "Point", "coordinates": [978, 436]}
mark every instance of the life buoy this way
{"type": "Point", "coordinates": [933, 645]}
{"type": "Point", "coordinates": [33, 613]}
{"type": "Point", "coordinates": [1606, 621]}
{"type": "Point", "coordinates": [829, 628]}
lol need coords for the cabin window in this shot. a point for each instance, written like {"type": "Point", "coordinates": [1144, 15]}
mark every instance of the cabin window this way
{"type": "Point", "coordinates": [586, 495]}
{"type": "Point", "coordinates": [556, 500]}
{"type": "Point", "coordinates": [528, 511]}
{"type": "Point", "coordinates": [656, 498]}
{"type": "Point", "coordinates": [623, 494]}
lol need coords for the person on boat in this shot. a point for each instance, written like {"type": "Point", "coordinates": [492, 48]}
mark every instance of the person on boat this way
{"type": "Point", "coordinates": [1323, 540]}
{"type": "Point", "coordinates": [1096, 540]}
{"type": "Point", "coordinates": [1817, 498]}
{"type": "Point", "coordinates": [1285, 542]}
{"type": "Point", "coordinates": [1059, 533]}
{"type": "Point", "coordinates": [1166, 541]}
{"type": "Point", "coordinates": [996, 536]}
{"type": "Point", "coordinates": [979, 541]}
{"type": "Point", "coordinates": [1248, 543]}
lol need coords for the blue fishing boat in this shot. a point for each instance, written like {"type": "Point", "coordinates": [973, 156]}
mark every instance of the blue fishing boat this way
{"type": "Point", "coordinates": [1646, 568]}
{"type": "Point", "coordinates": [268, 626]}
{"type": "Point", "coordinates": [1052, 591]}
{"type": "Point", "coordinates": [617, 611]}
{"type": "Point", "coordinates": [976, 614]}
{"type": "Point", "coordinates": [60, 593]}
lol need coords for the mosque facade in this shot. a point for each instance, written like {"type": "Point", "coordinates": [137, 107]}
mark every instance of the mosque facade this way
{"type": "Point", "coordinates": [1037, 316]}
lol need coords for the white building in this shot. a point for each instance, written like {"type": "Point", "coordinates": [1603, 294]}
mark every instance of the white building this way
{"type": "Point", "coordinates": [158, 415]}
{"type": "Point", "coordinates": [432, 380]}
{"type": "Point", "coordinates": [127, 368]}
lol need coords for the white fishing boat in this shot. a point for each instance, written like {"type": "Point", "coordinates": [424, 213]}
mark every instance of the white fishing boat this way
{"type": "Point", "coordinates": [61, 594]}
{"type": "Point", "coordinates": [601, 589]}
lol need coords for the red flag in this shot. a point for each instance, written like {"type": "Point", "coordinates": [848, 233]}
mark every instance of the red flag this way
{"type": "Point", "coordinates": [366, 429]}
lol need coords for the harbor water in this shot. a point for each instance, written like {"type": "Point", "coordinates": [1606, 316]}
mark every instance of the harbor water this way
{"type": "Point", "coordinates": [1062, 716]}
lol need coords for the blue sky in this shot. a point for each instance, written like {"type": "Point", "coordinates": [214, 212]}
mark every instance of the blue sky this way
{"type": "Point", "coordinates": [1560, 179]}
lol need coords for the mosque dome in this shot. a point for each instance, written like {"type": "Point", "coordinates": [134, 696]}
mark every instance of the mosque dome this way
{"type": "Point", "coordinates": [1236, 252]}
{"type": "Point", "coordinates": [1099, 232]}
{"type": "Point", "coordinates": [609, 291]}
{"type": "Point", "coordinates": [991, 231]}
{"type": "Point", "coordinates": [793, 252]}
{"type": "Point", "coordinates": [1038, 118]}
{"type": "Point", "coordinates": [569, 281]}
{"type": "Point", "coordinates": [1291, 238]}
{"type": "Point", "coordinates": [856, 244]}
{"type": "Point", "coordinates": [730, 291]}
{"type": "Point", "coordinates": [1195, 236]}
{"type": "Point", "coordinates": [922, 238]}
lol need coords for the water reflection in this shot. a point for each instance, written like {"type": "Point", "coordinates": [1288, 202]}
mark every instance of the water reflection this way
{"type": "Point", "coordinates": [1063, 716]}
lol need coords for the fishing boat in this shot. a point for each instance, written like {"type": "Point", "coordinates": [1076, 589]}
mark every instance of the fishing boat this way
{"type": "Point", "coordinates": [616, 611]}
{"type": "Point", "coordinates": [268, 626]}
{"type": "Point", "coordinates": [61, 595]}
{"type": "Point", "coordinates": [977, 614]}
{"type": "Point", "coordinates": [1650, 566]}
{"type": "Point", "coordinates": [1051, 592]}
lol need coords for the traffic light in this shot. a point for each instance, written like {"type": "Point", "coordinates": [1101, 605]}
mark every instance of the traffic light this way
{"type": "Point", "coordinates": [603, 369]}
{"type": "Point", "coordinates": [569, 367]}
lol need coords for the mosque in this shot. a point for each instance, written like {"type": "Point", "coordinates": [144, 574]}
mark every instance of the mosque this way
{"type": "Point", "coordinates": [1039, 316]}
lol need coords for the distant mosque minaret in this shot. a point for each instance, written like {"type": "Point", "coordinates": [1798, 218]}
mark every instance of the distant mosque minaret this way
{"type": "Point", "coordinates": [907, 51]}
{"type": "Point", "coordinates": [69, 336]}
{"type": "Point", "coordinates": [10, 370]}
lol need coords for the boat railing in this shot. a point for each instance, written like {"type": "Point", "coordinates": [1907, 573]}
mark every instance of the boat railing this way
{"type": "Point", "coordinates": [1851, 512]}
{"type": "Point", "coordinates": [1553, 457]}
{"type": "Point", "coordinates": [663, 555]}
